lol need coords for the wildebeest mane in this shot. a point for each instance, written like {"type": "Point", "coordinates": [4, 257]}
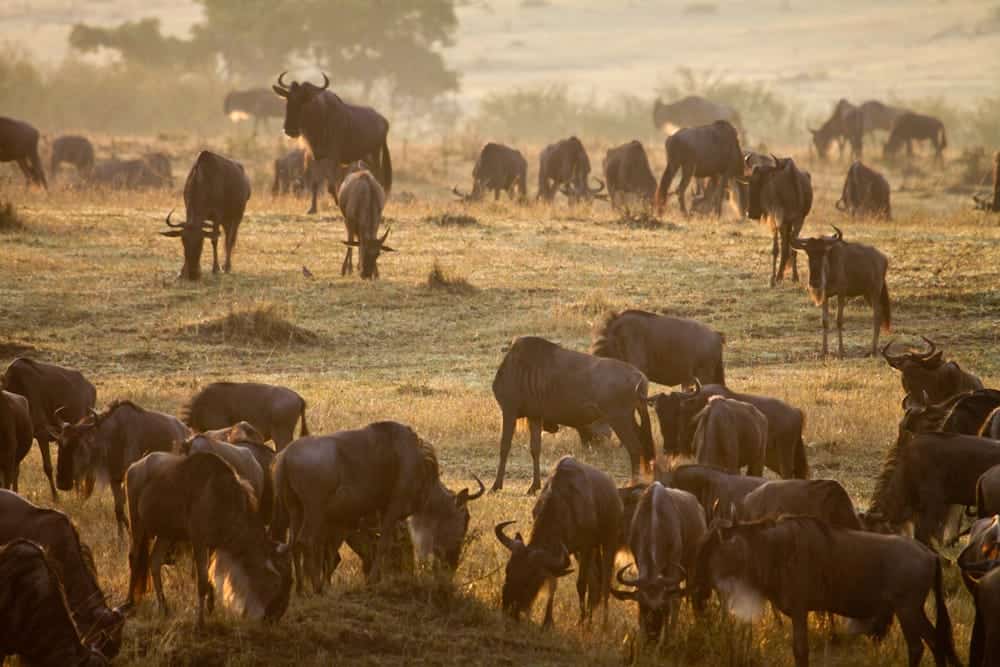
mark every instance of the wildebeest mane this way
{"type": "Point", "coordinates": [889, 498]}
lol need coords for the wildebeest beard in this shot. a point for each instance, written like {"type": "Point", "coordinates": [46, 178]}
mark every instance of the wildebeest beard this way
{"type": "Point", "coordinates": [817, 284]}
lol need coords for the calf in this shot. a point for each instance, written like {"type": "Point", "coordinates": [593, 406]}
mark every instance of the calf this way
{"type": "Point", "coordinates": [16, 434]}
{"type": "Point", "coordinates": [782, 194]}
{"type": "Point", "coordinates": [272, 410]}
{"type": "Point", "coordinates": [361, 201]}
{"type": "Point", "coordinates": [289, 173]}
{"type": "Point", "coordinates": [824, 499]}
{"type": "Point", "coordinates": [865, 194]}
{"type": "Point", "coordinates": [909, 127]}
{"type": "Point", "coordinates": [498, 168]}
{"type": "Point", "coordinates": [19, 143]}
{"type": "Point", "coordinates": [731, 434]}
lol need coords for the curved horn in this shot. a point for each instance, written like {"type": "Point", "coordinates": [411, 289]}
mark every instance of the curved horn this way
{"type": "Point", "coordinates": [386, 235]}
{"type": "Point", "coordinates": [326, 81]}
{"type": "Point", "coordinates": [505, 540]}
{"type": "Point", "coordinates": [892, 359]}
{"type": "Point", "coordinates": [459, 194]}
{"type": "Point", "coordinates": [777, 160]}
{"type": "Point", "coordinates": [624, 582]}
{"type": "Point", "coordinates": [925, 356]}
{"type": "Point", "coordinates": [281, 80]}
{"type": "Point", "coordinates": [837, 234]}
{"type": "Point", "coordinates": [173, 224]}
{"type": "Point", "coordinates": [93, 413]}
{"type": "Point", "coordinates": [59, 414]}
{"type": "Point", "coordinates": [599, 189]}
{"type": "Point", "coordinates": [482, 488]}
{"type": "Point", "coordinates": [841, 205]}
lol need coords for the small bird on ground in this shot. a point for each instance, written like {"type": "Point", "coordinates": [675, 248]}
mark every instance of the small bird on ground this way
{"type": "Point", "coordinates": [306, 272]}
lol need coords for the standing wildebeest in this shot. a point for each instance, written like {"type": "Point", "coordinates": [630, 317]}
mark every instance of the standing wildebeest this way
{"type": "Point", "coordinates": [551, 385]}
{"type": "Point", "coordinates": [16, 434]}
{"type": "Point", "coordinates": [498, 168]}
{"type": "Point", "coordinates": [54, 531]}
{"type": "Point", "coordinates": [72, 149]}
{"type": "Point", "coordinates": [878, 116]}
{"type": "Point", "coordinates": [693, 111]}
{"type": "Point", "coordinates": [579, 513]}
{"type": "Point", "coordinates": [289, 173]}
{"type": "Point", "coordinates": [822, 498]}
{"type": "Point", "coordinates": [198, 499]}
{"type": "Point", "coordinates": [627, 172]}
{"type": "Point", "coordinates": [731, 434]}
{"type": "Point", "coordinates": [49, 388]}
{"type": "Point", "coordinates": [700, 152]}
{"type": "Point", "coordinates": [668, 350]}
{"type": "Point", "coordinates": [910, 127]}
{"type": "Point", "coordinates": [842, 269]}
{"type": "Point", "coordinates": [336, 130]}
{"type": "Point", "coordinates": [36, 621]}
{"type": "Point", "coordinates": [927, 373]}
{"type": "Point", "coordinates": [665, 532]}
{"type": "Point", "coordinates": [217, 190]}
{"type": "Point", "coordinates": [565, 166]}
{"type": "Point", "coordinates": [272, 410]}
{"type": "Point", "coordinates": [782, 193]}
{"type": "Point", "coordinates": [256, 102]}
{"type": "Point", "coordinates": [717, 490]}
{"type": "Point", "coordinates": [866, 193]}
{"type": "Point", "coordinates": [19, 143]}
{"type": "Point", "coordinates": [361, 200]}
{"type": "Point", "coordinates": [985, 204]}
{"type": "Point", "coordinates": [801, 564]}
{"type": "Point", "coordinates": [244, 463]}
{"type": "Point", "coordinates": [319, 173]}
{"type": "Point", "coordinates": [978, 562]}
{"type": "Point", "coordinates": [104, 445]}
{"type": "Point", "coordinates": [845, 124]}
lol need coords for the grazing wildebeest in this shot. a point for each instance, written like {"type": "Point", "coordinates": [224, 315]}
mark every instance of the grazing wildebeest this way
{"type": "Point", "coordinates": [498, 168]}
{"type": "Point", "coordinates": [717, 490]}
{"type": "Point", "coordinates": [199, 499]}
{"type": "Point", "coordinates": [985, 204]}
{"type": "Point", "coordinates": [53, 531]}
{"type": "Point", "coordinates": [579, 513]}
{"type": "Point", "coordinates": [844, 124]}
{"type": "Point", "coordinates": [700, 152]}
{"type": "Point", "coordinates": [216, 191]}
{"type": "Point", "coordinates": [565, 166]}
{"type": "Point", "coordinates": [878, 116]}
{"type": "Point", "coordinates": [782, 194]}
{"type": "Point", "coordinates": [19, 143]}
{"type": "Point", "coordinates": [256, 102]}
{"type": "Point", "coordinates": [665, 532]}
{"type": "Point", "coordinates": [243, 462]}
{"type": "Point", "coordinates": [801, 564]}
{"type": "Point", "coordinates": [550, 385]}
{"type": "Point", "coordinates": [731, 434]}
{"type": "Point", "coordinates": [842, 269]}
{"type": "Point", "coordinates": [978, 563]}
{"type": "Point", "coordinates": [693, 111]}
{"type": "Point", "coordinates": [927, 372]}
{"type": "Point", "coordinates": [271, 409]}
{"type": "Point", "coordinates": [49, 388]}
{"type": "Point", "coordinates": [327, 484]}
{"type": "Point", "coordinates": [289, 173]}
{"type": "Point", "coordinates": [361, 201]}
{"type": "Point", "coordinates": [668, 350]}
{"type": "Point", "coordinates": [909, 127]}
{"type": "Point", "coordinates": [865, 194]}
{"type": "Point", "coordinates": [822, 498]}
{"type": "Point", "coordinates": [627, 173]}
{"type": "Point", "coordinates": [336, 130]}
{"type": "Point", "coordinates": [129, 174]}
{"type": "Point", "coordinates": [16, 434]}
{"type": "Point", "coordinates": [36, 622]}
{"type": "Point", "coordinates": [103, 446]}
{"type": "Point", "coordinates": [72, 149]}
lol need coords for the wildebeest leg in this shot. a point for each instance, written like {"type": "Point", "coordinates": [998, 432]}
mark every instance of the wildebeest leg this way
{"type": "Point", "coordinates": [605, 567]}
{"type": "Point", "coordinates": [231, 230]}
{"type": "Point", "coordinates": [509, 422]}
{"type": "Point", "coordinates": [916, 627]}
{"type": "Point", "coordinates": [206, 594]}
{"type": "Point", "coordinates": [977, 648]}
{"type": "Point", "coordinates": [723, 184]}
{"type": "Point", "coordinates": [119, 496]}
{"type": "Point", "coordinates": [876, 323]}
{"type": "Point", "coordinates": [585, 561]}
{"type": "Point", "coordinates": [43, 447]}
{"type": "Point", "coordinates": [161, 548]}
{"type": "Point", "coordinates": [624, 428]}
{"type": "Point", "coordinates": [826, 324]}
{"type": "Point", "coordinates": [26, 170]}
{"type": "Point", "coordinates": [774, 253]}
{"type": "Point", "coordinates": [551, 585]}
{"type": "Point", "coordinates": [348, 265]}
{"type": "Point", "coordinates": [535, 429]}
{"type": "Point", "coordinates": [314, 187]}
{"type": "Point", "coordinates": [686, 175]}
{"type": "Point", "coordinates": [840, 325]}
{"type": "Point", "coordinates": [215, 247]}
{"type": "Point", "coordinates": [800, 637]}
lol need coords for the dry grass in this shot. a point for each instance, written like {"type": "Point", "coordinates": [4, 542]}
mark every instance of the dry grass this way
{"type": "Point", "coordinates": [10, 221]}
{"type": "Point", "coordinates": [449, 281]}
{"type": "Point", "coordinates": [255, 325]}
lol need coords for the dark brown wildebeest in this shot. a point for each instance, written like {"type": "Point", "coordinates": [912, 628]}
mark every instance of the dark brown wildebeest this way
{"type": "Point", "coordinates": [103, 446]}
{"type": "Point", "coordinates": [991, 427]}
{"type": "Point", "coordinates": [289, 173]}
{"type": "Point", "coordinates": [565, 166]}
{"type": "Point", "coordinates": [19, 143]}
{"type": "Point", "coordinates": [909, 127]}
{"type": "Point", "coordinates": [693, 111]}
{"type": "Point", "coordinates": [72, 149]}
{"type": "Point", "coordinates": [731, 434]}
{"type": "Point", "coordinates": [128, 174]}
{"type": "Point", "coordinates": [822, 498]}
{"type": "Point", "coordinates": [361, 200]}
{"type": "Point", "coordinates": [16, 434]}
{"type": "Point", "coordinates": [579, 513]}
{"type": "Point", "coordinates": [498, 168]}
{"type": "Point", "coordinates": [842, 269]}
{"type": "Point", "coordinates": [718, 491]}
{"type": "Point", "coordinates": [319, 173]}
{"type": "Point", "coordinates": [994, 205]}
{"type": "Point", "coordinates": [668, 350]}
{"type": "Point", "coordinates": [878, 116]}
{"type": "Point", "coordinates": [844, 124]}
{"type": "Point", "coordinates": [257, 103]}
{"type": "Point", "coordinates": [244, 463]}
{"type": "Point", "coordinates": [665, 532]}
{"type": "Point", "coordinates": [700, 152]}
{"type": "Point", "coordinates": [36, 622]}
{"type": "Point", "coordinates": [336, 130]}
{"type": "Point", "coordinates": [928, 373]}
{"type": "Point", "coordinates": [49, 388]}
{"type": "Point", "coordinates": [100, 625]}
{"type": "Point", "coordinates": [242, 431]}
{"type": "Point", "coordinates": [216, 191]}
{"type": "Point", "coordinates": [865, 194]}
{"type": "Point", "coordinates": [199, 499]}
{"type": "Point", "coordinates": [978, 563]}
{"type": "Point", "coordinates": [801, 564]}
{"type": "Point", "coordinates": [628, 174]}
{"type": "Point", "coordinates": [966, 413]}
{"type": "Point", "coordinates": [988, 492]}
{"type": "Point", "coordinates": [553, 386]}
{"type": "Point", "coordinates": [271, 409]}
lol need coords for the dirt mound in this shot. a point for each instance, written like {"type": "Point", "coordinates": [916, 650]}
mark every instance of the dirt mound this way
{"type": "Point", "coordinates": [259, 325]}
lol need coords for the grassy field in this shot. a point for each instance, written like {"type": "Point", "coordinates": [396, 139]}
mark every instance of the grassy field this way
{"type": "Point", "coordinates": [88, 283]}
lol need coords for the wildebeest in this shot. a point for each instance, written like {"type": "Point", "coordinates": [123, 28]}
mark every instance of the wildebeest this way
{"type": "Point", "coordinates": [198, 499]}
{"type": "Point", "coordinates": [320, 173]}
{"type": "Point", "coordinates": [846, 123]}
{"type": "Point", "coordinates": [104, 445]}
{"type": "Point", "coordinates": [255, 102]}
{"type": "Point", "coordinates": [966, 413]}
{"type": "Point", "coordinates": [361, 200]}
{"type": "Point", "coordinates": [801, 564]}
{"type": "Point", "coordinates": [550, 385]}
{"type": "Point", "coordinates": [628, 174]}
{"type": "Point", "coordinates": [876, 115]}
{"type": "Point", "coordinates": [909, 127]}
{"type": "Point", "coordinates": [498, 168]}
{"type": "Point", "coordinates": [19, 143]}
{"type": "Point", "coordinates": [100, 625]}
{"type": "Point", "coordinates": [243, 462]}
{"type": "Point", "coordinates": [978, 563]}
{"type": "Point", "coordinates": [49, 388]}
{"type": "Point", "coordinates": [988, 492]}
{"type": "Point", "coordinates": [865, 194]}
{"type": "Point", "coordinates": [579, 513]}
{"type": "Point", "coordinates": [822, 498]}
{"type": "Point", "coordinates": [216, 191]}
{"type": "Point", "coordinates": [994, 205]}
{"type": "Point", "coordinates": [700, 152]}
{"type": "Point", "coordinates": [565, 166]}
{"type": "Point", "coordinates": [782, 194]}
{"type": "Point", "coordinates": [717, 490]}
{"type": "Point", "coordinates": [16, 434]}
{"type": "Point", "coordinates": [271, 409]}
{"type": "Point", "coordinates": [159, 164]}
{"type": "Point", "coordinates": [36, 622]}
{"type": "Point", "coordinates": [731, 434]}
{"type": "Point", "coordinates": [336, 130]}
{"type": "Point", "coordinates": [72, 149]}
{"type": "Point", "coordinates": [667, 527]}
{"type": "Point", "coordinates": [289, 173]}
{"type": "Point", "coordinates": [692, 111]}
{"type": "Point", "coordinates": [927, 373]}
{"type": "Point", "coordinates": [129, 174]}
{"type": "Point", "coordinates": [842, 269]}
{"type": "Point", "coordinates": [991, 426]}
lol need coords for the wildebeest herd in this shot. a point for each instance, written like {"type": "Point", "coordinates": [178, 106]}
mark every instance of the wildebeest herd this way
{"type": "Point", "coordinates": [697, 515]}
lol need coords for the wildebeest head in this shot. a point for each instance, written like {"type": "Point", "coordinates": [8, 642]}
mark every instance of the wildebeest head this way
{"type": "Point", "coordinates": [369, 253]}
{"type": "Point", "coordinates": [260, 580]}
{"type": "Point", "coordinates": [441, 530]}
{"type": "Point", "coordinates": [675, 411]}
{"type": "Point", "coordinates": [725, 563]}
{"type": "Point", "coordinates": [528, 568]}
{"type": "Point", "coordinates": [77, 447]}
{"type": "Point", "coordinates": [818, 250]}
{"type": "Point", "coordinates": [652, 593]}
{"type": "Point", "coordinates": [192, 235]}
{"type": "Point", "coordinates": [919, 369]}
{"type": "Point", "coordinates": [296, 96]}
{"type": "Point", "coordinates": [781, 177]}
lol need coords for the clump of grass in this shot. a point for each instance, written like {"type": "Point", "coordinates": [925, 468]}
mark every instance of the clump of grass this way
{"type": "Point", "coordinates": [452, 220]}
{"type": "Point", "coordinates": [10, 221]}
{"type": "Point", "coordinates": [439, 279]}
{"type": "Point", "coordinates": [642, 220]}
{"type": "Point", "coordinates": [261, 325]}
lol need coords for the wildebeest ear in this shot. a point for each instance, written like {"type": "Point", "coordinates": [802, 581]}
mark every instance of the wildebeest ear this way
{"type": "Point", "coordinates": [386, 248]}
{"type": "Point", "coordinates": [173, 233]}
{"type": "Point", "coordinates": [353, 244]}
{"type": "Point", "coordinates": [280, 92]}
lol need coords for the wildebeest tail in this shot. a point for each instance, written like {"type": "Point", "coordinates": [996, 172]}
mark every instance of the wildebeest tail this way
{"type": "Point", "coordinates": [304, 431]}
{"type": "Point", "coordinates": [885, 308]}
{"type": "Point", "coordinates": [386, 161]}
{"type": "Point", "coordinates": [800, 467]}
{"type": "Point", "coordinates": [663, 188]}
{"type": "Point", "coordinates": [943, 639]}
{"type": "Point", "coordinates": [943, 138]}
{"type": "Point", "coordinates": [645, 426]}
{"type": "Point", "coordinates": [605, 342]}
{"type": "Point", "coordinates": [980, 501]}
{"type": "Point", "coordinates": [282, 497]}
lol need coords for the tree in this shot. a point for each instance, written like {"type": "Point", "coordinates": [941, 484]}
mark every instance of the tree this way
{"type": "Point", "coordinates": [139, 43]}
